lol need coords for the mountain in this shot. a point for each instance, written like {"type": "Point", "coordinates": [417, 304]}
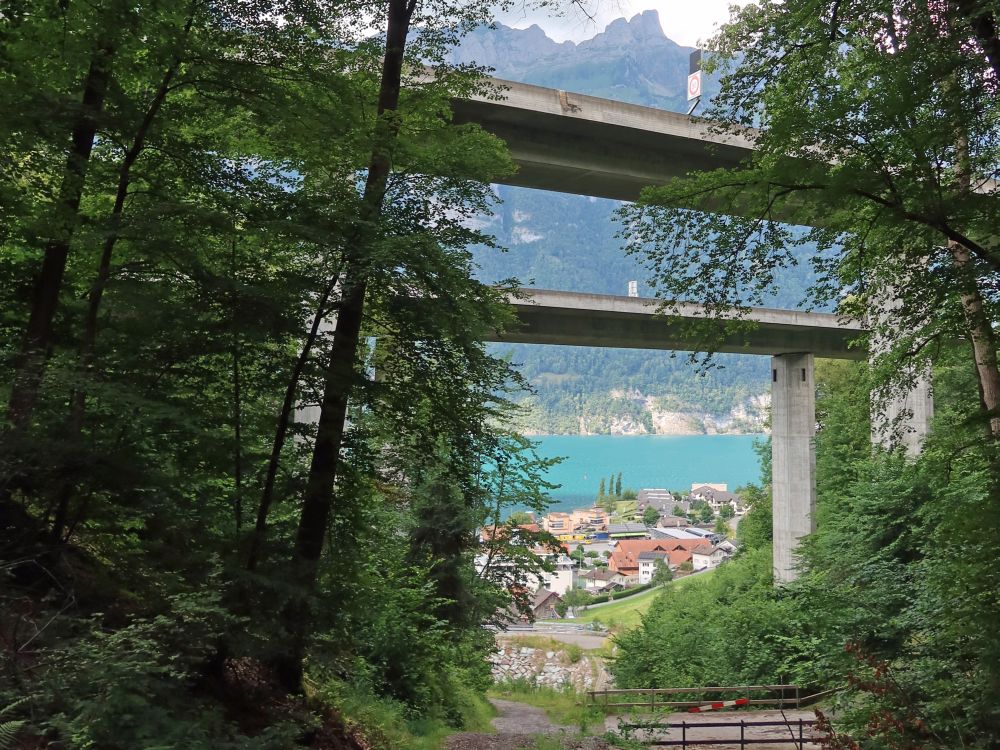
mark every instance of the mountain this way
{"type": "Point", "coordinates": [631, 61]}
{"type": "Point", "coordinates": [559, 241]}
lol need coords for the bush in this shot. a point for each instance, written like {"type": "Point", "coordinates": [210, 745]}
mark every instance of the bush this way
{"type": "Point", "coordinates": [573, 653]}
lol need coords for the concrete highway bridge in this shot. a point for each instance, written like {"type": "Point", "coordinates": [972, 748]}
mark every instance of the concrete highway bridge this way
{"type": "Point", "coordinates": [586, 145]}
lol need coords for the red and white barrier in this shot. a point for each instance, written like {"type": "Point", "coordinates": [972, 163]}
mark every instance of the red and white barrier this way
{"type": "Point", "coordinates": [719, 704]}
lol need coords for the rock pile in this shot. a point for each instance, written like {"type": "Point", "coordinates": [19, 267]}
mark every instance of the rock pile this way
{"type": "Point", "coordinates": [516, 662]}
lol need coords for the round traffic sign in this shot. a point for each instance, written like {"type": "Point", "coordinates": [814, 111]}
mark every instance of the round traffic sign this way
{"type": "Point", "coordinates": [694, 85]}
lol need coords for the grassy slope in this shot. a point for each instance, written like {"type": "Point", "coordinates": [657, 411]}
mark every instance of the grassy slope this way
{"type": "Point", "coordinates": [627, 613]}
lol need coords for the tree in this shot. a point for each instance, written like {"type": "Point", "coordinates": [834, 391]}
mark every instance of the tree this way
{"type": "Point", "coordinates": [704, 513]}
{"type": "Point", "coordinates": [600, 490]}
{"type": "Point", "coordinates": [661, 573]}
{"type": "Point", "coordinates": [650, 516]}
{"type": "Point", "coordinates": [611, 485]}
{"type": "Point", "coordinates": [721, 527]}
{"type": "Point", "coordinates": [874, 128]}
{"type": "Point", "coordinates": [520, 518]}
{"type": "Point", "coordinates": [678, 511]}
{"type": "Point", "coordinates": [618, 484]}
{"type": "Point", "coordinates": [726, 512]}
{"type": "Point", "coordinates": [572, 600]}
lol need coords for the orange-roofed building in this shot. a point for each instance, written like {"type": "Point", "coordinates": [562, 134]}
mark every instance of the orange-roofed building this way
{"type": "Point", "coordinates": [625, 555]}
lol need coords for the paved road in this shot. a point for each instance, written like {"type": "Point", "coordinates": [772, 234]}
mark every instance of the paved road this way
{"type": "Point", "coordinates": [583, 639]}
{"type": "Point", "coordinates": [785, 737]}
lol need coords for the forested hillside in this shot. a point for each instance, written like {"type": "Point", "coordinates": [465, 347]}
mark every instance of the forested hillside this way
{"type": "Point", "coordinates": [557, 241]}
{"type": "Point", "coordinates": [187, 192]}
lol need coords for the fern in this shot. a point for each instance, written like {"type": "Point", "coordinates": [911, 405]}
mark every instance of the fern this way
{"type": "Point", "coordinates": [10, 729]}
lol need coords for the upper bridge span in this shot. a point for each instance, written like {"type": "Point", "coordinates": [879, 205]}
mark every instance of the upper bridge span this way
{"type": "Point", "coordinates": [586, 145]}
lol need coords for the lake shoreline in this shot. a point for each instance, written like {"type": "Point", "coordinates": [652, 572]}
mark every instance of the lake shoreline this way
{"type": "Point", "coordinates": [672, 462]}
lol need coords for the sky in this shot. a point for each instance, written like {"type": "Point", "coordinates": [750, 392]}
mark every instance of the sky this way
{"type": "Point", "coordinates": [684, 21]}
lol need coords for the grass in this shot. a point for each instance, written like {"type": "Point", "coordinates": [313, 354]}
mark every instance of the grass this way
{"type": "Point", "coordinates": [565, 707]}
{"type": "Point", "coordinates": [383, 723]}
{"type": "Point", "coordinates": [627, 613]}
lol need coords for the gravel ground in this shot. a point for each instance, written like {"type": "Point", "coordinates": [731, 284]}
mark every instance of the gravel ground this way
{"type": "Point", "coordinates": [518, 725]}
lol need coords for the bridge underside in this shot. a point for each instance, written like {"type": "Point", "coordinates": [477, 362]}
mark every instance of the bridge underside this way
{"type": "Point", "coordinates": [585, 145]}
{"type": "Point", "coordinates": [577, 319]}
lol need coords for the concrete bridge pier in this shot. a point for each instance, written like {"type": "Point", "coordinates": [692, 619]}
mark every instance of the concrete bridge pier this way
{"type": "Point", "coordinates": [793, 458]}
{"type": "Point", "coordinates": [904, 420]}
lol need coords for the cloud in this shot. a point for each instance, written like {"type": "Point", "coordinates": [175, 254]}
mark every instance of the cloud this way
{"type": "Point", "coordinates": [683, 21]}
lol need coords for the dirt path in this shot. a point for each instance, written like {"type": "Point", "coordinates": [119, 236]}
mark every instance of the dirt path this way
{"type": "Point", "coordinates": [518, 725]}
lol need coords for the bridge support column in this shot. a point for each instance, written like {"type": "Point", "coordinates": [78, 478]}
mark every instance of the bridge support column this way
{"type": "Point", "coordinates": [793, 458]}
{"type": "Point", "coordinates": [904, 419]}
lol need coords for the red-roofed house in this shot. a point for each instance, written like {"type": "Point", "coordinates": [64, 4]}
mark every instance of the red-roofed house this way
{"type": "Point", "coordinates": [625, 555]}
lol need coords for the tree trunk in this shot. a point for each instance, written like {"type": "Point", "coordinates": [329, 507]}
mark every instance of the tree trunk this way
{"type": "Point", "coordinates": [237, 440]}
{"type": "Point", "coordinates": [317, 499]}
{"type": "Point", "coordinates": [982, 336]}
{"type": "Point", "coordinates": [984, 27]}
{"type": "Point", "coordinates": [30, 363]}
{"type": "Point", "coordinates": [87, 347]}
{"type": "Point", "coordinates": [78, 400]}
{"type": "Point", "coordinates": [281, 430]}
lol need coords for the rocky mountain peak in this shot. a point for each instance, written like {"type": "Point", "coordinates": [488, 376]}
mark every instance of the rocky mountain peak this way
{"type": "Point", "coordinates": [643, 28]}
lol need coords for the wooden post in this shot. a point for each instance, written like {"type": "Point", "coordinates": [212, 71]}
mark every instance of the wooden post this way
{"type": "Point", "coordinates": [684, 735]}
{"type": "Point", "coordinates": [742, 735]}
{"type": "Point", "coordinates": [801, 744]}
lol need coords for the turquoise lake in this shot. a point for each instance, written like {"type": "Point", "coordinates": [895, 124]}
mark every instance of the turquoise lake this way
{"type": "Point", "coordinates": [669, 461]}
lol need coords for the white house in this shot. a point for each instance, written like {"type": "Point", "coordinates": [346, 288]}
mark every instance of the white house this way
{"type": "Point", "coordinates": [647, 564]}
{"type": "Point", "coordinates": [559, 581]}
{"type": "Point", "coordinates": [709, 558]}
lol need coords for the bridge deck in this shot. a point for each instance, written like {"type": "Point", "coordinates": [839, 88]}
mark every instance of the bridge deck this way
{"type": "Point", "coordinates": [586, 145]}
{"type": "Point", "coordinates": [577, 319]}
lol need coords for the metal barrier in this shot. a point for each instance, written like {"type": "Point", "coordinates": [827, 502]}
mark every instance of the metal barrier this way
{"type": "Point", "coordinates": [781, 696]}
{"type": "Point", "coordinates": [800, 738]}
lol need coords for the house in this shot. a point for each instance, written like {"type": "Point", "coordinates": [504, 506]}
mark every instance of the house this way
{"type": "Point", "coordinates": [543, 606]}
{"type": "Point", "coordinates": [560, 580]}
{"type": "Point", "coordinates": [671, 522]}
{"type": "Point", "coordinates": [487, 533]}
{"type": "Point", "coordinates": [695, 486]}
{"type": "Point", "coordinates": [625, 554]}
{"type": "Point", "coordinates": [648, 562]}
{"type": "Point", "coordinates": [602, 579]}
{"type": "Point", "coordinates": [707, 557]}
{"type": "Point", "coordinates": [716, 498]}
{"type": "Point", "coordinates": [662, 500]}
{"type": "Point", "coordinates": [589, 518]}
{"type": "Point", "coordinates": [558, 523]}
{"type": "Point", "coordinates": [510, 574]}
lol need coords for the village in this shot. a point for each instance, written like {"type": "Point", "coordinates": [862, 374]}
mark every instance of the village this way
{"type": "Point", "coordinates": [626, 543]}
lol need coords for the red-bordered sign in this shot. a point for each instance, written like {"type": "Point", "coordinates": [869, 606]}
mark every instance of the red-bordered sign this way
{"type": "Point", "coordinates": [694, 85]}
